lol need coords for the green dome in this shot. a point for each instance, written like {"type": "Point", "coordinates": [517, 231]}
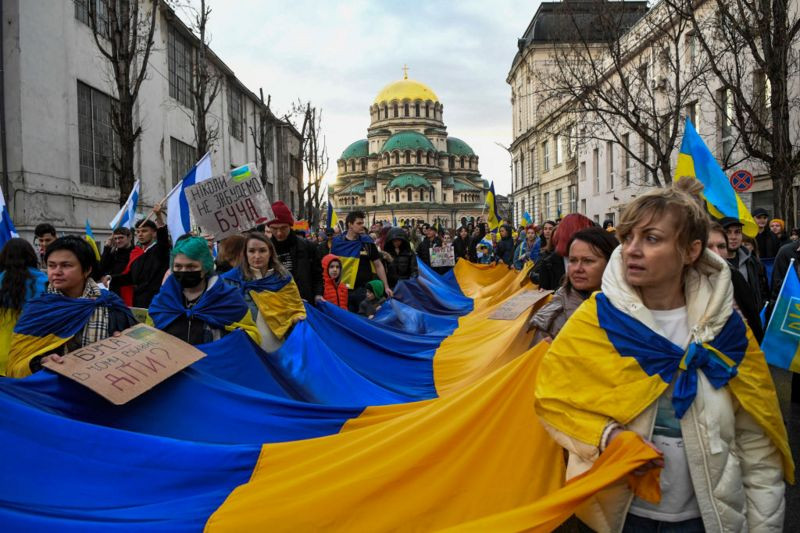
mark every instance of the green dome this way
{"type": "Point", "coordinates": [409, 180]}
{"type": "Point", "coordinates": [354, 188]}
{"type": "Point", "coordinates": [460, 186]}
{"type": "Point", "coordinates": [407, 140]}
{"type": "Point", "coordinates": [458, 147]}
{"type": "Point", "coordinates": [357, 149]}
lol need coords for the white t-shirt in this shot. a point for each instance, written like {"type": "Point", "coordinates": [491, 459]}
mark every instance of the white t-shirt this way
{"type": "Point", "coordinates": [678, 501]}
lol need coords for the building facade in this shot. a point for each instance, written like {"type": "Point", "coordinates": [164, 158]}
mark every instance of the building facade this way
{"type": "Point", "coordinates": [408, 169]}
{"type": "Point", "coordinates": [59, 143]}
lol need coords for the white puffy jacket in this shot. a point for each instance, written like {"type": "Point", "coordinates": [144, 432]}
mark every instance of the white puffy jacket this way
{"type": "Point", "coordinates": [735, 468]}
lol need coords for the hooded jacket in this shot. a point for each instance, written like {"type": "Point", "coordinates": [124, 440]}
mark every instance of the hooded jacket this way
{"type": "Point", "coordinates": [334, 292]}
{"type": "Point", "coordinates": [404, 263]}
{"type": "Point", "coordinates": [504, 249]}
{"type": "Point", "coordinates": [370, 307]}
{"type": "Point", "coordinates": [736, 469]}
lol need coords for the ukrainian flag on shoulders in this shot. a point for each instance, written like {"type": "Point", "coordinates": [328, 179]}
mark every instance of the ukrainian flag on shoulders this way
{"type": "Point", "coordinates": [781, 344]}
{"type": "Point", "coordinates": [349, 254]}
{"type": "Point", "coordinates": [695, 160]}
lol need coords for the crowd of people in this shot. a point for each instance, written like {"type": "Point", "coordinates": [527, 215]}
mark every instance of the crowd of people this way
{"type": "Point", "coordinates": [666, 281]}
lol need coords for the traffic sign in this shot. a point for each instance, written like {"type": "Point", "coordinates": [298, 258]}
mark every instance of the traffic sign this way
{"type": "Point", "coordinates": [741, 180]}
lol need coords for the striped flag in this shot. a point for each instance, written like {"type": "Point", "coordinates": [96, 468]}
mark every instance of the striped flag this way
{"type": "Point", "coordinates": [7, 229]}
{"type": "Point", "coordinates": [126, 217]}
{"type": "Point", "coordinates": [90, 239]}
{"type": "Point", "coordinates": [493, 218]}
{"type": "Point", "coordinates": [178, 216]}
{"type": "Point", "coordinates": [333, 218]}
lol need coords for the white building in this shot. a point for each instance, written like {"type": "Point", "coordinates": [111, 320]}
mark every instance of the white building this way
{"type": "Point", "coordinates": [58, 143]}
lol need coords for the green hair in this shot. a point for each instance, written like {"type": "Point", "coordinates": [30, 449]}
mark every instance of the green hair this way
{"type": "Point", "coordinates": [196, 249]}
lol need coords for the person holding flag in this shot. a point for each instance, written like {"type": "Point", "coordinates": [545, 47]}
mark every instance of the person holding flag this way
{"type": "Point", "coordinates": [782, 340]}
{"type": "Point", "coordinates": [149, 260]}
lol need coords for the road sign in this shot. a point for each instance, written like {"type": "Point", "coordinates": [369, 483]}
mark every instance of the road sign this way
{"type": "Point", "coordinates": [741, 180]}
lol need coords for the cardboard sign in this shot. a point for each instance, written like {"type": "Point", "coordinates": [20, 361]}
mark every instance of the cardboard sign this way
{"type": "Point", "coordinates": [121, 368]}
{"type": "Point", "coordinates": [443, 256]}
{"type": "Point", "coordinates": [518, 304]}
{"type": "Point", "coordinates": [227, 205]}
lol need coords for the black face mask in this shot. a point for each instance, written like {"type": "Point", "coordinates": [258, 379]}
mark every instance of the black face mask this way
{"type": "Point", "coordinates": [190, 279]}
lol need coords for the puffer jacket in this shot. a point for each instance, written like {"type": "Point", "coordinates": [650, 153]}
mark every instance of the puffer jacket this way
{"type": "Point", "coordinates": [335, 293]}
{"type": "Point", "coordinates": [735, 468]}
{"type": "Point", "coordinates": [402, 264]}
{"type": "Point", "coordinates": [549, 320]}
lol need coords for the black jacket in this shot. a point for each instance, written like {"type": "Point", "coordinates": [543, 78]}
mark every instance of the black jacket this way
{"type": "Point", "coordinates": [548, 272]}
{"type": "Point", "coordinates": [404, 263]}
{"type": "Point", "coordinates": [113, 262]}
{"type": "Point", "coordinates": [504, 250]}
{"type": "Point", "coordinates": [147, 270]}
{"type": "Point", "coordinates": [746, 302]}
{"type": "Point", "coordinates": [768, 243]}
{"type": "Point", "coordinates": [460, 247]}
{"type": "Point", "coordinates": [472, 249]}
{"type": "Point", "coordinates": [782, 261]}
{"type": "Point", "coordinates": [306, 267]}
{"type": "Point", "coordinates": [751, 268]}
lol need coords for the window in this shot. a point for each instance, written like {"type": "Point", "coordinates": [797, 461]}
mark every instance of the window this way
{"type": "Point", "coordinates": [610, 164]}
{"type": "Point", "coordinates": [235, 114]}
{"type": "Point", "coordinates": [101, 14]}
{"type": "Point", "coordinates": [573, 198]}
{"type": "Point", "coordinates": [182, 158]}
{"type": "Point", "coordinates": [726, 121]}
{"type": "Point", "coordinates": [626, 158]}
{"type": "Point", "coordinates": [394, 110]}
{"type": "Point", "coordinates": [690, 111]}
{"type": "Point", "coordinates": [691, 49]}
{"type": "Point", "coordinates": [559, 150]}
{"type": "Point", "coordinates": [180, 61]}
{"type": "Point", "coordinates": [405, 110]}
{"type": "Point", "coordinates": [558, 202]}
{"type": "Point", "coordinates": [582, 171]}
{"type": "Point", "coordinates": [546, 208]}
{"type": "Point", "coordinates": [444, 197]}
{"type": "Point", "coordinates": [646, 161]}
{"type": "Point", "coordinates": [416, 109]}
{"type": "Point", "coordinates": [596, 169]}
{"type": "Point", "coordinates": [397, 195]}
{"type": "Point", "coordinates": [572, 141]}
{"type": "Point", "coordinates": [96, 139]}
{"type": "Point", "coordinates": [408, 195]}
{"type": "Point", "coordinates": [545, 157]}
{"type": "Point", "coordinates": [583, 206]}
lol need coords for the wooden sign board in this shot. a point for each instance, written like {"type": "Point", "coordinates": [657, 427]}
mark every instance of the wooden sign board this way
{"type": "Point", "coordinates": [443, 256]}
{"type": "Point", "coordinates": [230, 204]}
{"type": "Point", "coordinates": [518, 304]}
{"type": "Point", "coordinates": [121, 368]}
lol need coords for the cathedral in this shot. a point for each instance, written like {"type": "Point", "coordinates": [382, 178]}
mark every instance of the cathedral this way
{"type": "Point", "coordinates": [408, 170]}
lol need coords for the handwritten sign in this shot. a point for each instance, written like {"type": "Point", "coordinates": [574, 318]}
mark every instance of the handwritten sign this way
{"type": "Point", "coordinates": [518, 304]}
{"type": "Point", "coordinates": [443, 256]}
{"type": "Point", "coordinates": [121, 368]}
{"type": "Point", "coordinates": [231, 204]}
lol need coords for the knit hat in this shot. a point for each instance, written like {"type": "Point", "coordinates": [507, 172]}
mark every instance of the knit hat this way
{"type": "Point", "coordinates": [779, 221]}
{"type": "Point", "coordinates": [376, 287]}
{"type": "Point", "coordinates": [283, 215]}
{"type": "Point", "coordinates": [196, 249]}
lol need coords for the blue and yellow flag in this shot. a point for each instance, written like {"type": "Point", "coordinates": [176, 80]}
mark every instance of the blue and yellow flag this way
{"type": "Point", "coordinates": [90, 239]}
{"type": "Point", "coordinates": [600, 340]}
{"type": "Point", "coordinates": [220, 306]}
{"type": "Point", "coordinates": [49, 321]}
{"type": "Point", "coordinates": [492, 218]}
{"type": "Point", "coordinates": [695, 160]}
{"type": "Point", "coordinates": [527, 218]}
{"type": "Point", "coordinates": [781, 343]}
{"type": "Point", "coordinates": [349, 253]}
{"type": "Point", "coordinates": [333, 218]}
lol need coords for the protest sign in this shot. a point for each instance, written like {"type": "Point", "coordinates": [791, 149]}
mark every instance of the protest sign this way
{"type": "Point", "coordinates": [230, 204]}
{"type": "Point", "coordinates": [443, 256]}
{"type": "Point", "coordinates": [518, 304]}
{"type": "Point", "coordinates": [121, 368]}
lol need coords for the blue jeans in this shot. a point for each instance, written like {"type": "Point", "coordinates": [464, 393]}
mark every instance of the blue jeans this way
{"type": "Point", "coordinates": [638, 524]}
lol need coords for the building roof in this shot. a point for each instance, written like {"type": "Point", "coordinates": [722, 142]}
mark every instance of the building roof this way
{"type": "Point", "coordinates": [359, 148]}
{"type": "Point", "coordinates": [460, 186]}
{"type": "Point", "coordinates": [456, 146]}
{"type": "Point", "coordinates": [406, 89]}
{"type": "Point", "coordinates": [354, 188]}
{"type": "Point", "coordinates": [407, 140]}
{"type": "Point", "coordinates": [409, 180]}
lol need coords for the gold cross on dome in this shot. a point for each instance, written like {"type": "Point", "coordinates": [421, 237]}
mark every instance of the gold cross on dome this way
{"type": "Point", "coordinates": [405, 72]}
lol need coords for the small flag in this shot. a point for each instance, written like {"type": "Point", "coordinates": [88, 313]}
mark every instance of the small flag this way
{"type": "Point", "coordinates": [7, 229]}
{"type": "Point", "coordinates": [300, 225]}
{"type": "Point", "coordinates": [178, 215]}
{"type": "Point", "coordinates": [493, 218]}
{"type": "Point", "coordinates": [90, 239]}
{"type": "Point", "coordinates": [781, 344]}
{"type": "Point", "coordinates": [696, 161]}
{"type": "Point", "coordinates": [126, 218]}
{"type": "Point", "coordinates": [333, 218]}
{"type": "Point", "coordinates": [241, 173]}
{"type": "Point", "coordinates": [526, 217]}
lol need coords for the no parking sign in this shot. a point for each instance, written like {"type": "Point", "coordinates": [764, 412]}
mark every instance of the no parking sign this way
{"type": "Point", "coordinates": [741, 180]}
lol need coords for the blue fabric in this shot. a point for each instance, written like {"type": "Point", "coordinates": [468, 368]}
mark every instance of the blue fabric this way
{"type": "Point", "coordinates": [395, 314]}
{"type": "Point", "coordinates": [343, 247]}
{"type": "Point", "coordinates": [34, 286]}
{"type": "Point", "coordinates": [272, 283]}
{"type": "Point", "coordinates": [59, 315]}
{"type": "Point", "coordinates": [781, 344]}
{"type": "Point", "coordinates": [221, 305]}
{"type": "Point", "coordinates": [658, 355]}
{"type": "Point", "coordinates": [433, 294]}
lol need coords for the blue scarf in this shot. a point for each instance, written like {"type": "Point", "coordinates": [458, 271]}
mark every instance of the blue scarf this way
{"type": "Point", "coordinates": [55, 314]}
{"type": "Point", "coordinates": [655, 354]}
{"type": "Point", "coordinates": [220, 305]}
{"type": "Point", "coordinates": [273, 282]}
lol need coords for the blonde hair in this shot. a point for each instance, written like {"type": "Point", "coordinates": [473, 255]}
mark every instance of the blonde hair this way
{"type": "Point", "coordinates": [682, 201]}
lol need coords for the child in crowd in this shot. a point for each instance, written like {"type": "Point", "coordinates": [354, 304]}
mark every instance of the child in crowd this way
{"type": "Point", "coordinates": [484, 255]}
{"type": "Point", "coordinates": [334, 291]}
{"type": "Point", "coordinates": [374, 299]}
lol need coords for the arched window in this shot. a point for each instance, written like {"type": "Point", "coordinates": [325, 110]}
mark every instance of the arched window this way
{"type": "Point", "coordinates": [394, 107]}
{"type": "Point", "coordinates": [407, 157]}
{"type": "Point", "coordinates": [386, 158]}
{"type": "Point", "coordinates": [419, 157]}
{"type": "Point", "coordinates": [397, 195]}
{"type": "Point", "coordinates": [405, 110]}
{"type": "Point", "coordinates": [422, 194]}
{"type": "Point", "coordinates": [363, 164]}
{"type": "Point", "coordinates": [385, 110]}
{"type": "Point", "coordinates": [463, 160]}
{"type": "Point", "coordinates": [427, 110]}
{"type": "Point", "coordinates": [397, 158]}
{"type": "Point", "coordinates": [408, 194]}
{"type": "Point", "coordinates": [353, 165]}
{"type": "Point", "coordinates": [452, 162]}
{"type": "Point", "coordinates": [427, 158]}
{"type": "Point", "coordinates": [416, 109]}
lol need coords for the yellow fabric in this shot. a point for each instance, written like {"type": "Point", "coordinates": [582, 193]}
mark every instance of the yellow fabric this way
{"type": "Point", "coordinates": [349, 271]}
{"type": "Point", "coordinates": [26, 347]}
{"type": "Point", "coordinates": [602, 387]}
{"type": "Point", "coordinates": [248, 325]}
{"type": "Point", "coordinates": [8, 319]}
{"type": "Point", "coordinates": [280, 309]}
{"type": "Point", "coordinates": [424, 466]}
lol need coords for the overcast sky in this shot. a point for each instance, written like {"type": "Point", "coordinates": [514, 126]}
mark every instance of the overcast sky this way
{"type": "Point", "coordinates": [339, 55]}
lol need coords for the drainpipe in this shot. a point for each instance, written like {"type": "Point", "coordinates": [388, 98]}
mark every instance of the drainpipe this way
{"type": "Point", "coordinates": [3, 144]}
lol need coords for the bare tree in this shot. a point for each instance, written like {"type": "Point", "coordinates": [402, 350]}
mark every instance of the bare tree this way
{"type": "Point", "coordinates": [262, 139]}
{"type": "Point", "coordinates": [625, 78]}
{"type": "Point", "coordinates": [314, 152]}
{"type": "Point", "coordinates": [123, 33]}
{"type": "Point", "coordinates": [752, 50]}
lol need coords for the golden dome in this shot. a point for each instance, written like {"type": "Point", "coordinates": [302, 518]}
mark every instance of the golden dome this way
{"type": "Point", "coordinates": [406, 89]}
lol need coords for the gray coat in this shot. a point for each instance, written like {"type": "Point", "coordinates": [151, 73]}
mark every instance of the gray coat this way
{"type": "Point", "coordinates": [549, 320]}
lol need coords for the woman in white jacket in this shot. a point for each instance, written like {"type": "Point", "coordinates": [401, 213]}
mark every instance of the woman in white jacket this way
{"type": "Point", "coordinates": [661, 352]}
